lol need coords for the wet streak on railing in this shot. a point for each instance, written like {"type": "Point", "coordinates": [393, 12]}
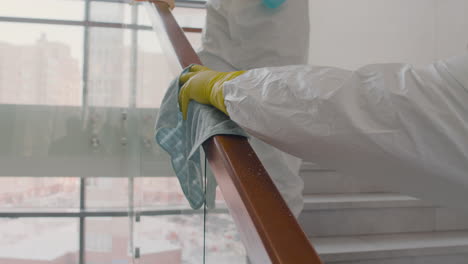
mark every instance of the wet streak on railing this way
{"type": "Point", "coordinates": [268, 229]}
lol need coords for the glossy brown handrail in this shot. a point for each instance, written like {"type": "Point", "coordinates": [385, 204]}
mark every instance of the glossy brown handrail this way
{"type": "Point", "coordinates": [268, 229]}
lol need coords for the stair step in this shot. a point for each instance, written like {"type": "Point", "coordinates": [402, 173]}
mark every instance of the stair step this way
{"type": "Point", "coordinates": [425, 247]}
{"type": "Point", "coordinates": [322, 181]}
{"type": "Point", "coordinates": [361, 200]}
{"type": "Point", "coordinates": [372, 214]}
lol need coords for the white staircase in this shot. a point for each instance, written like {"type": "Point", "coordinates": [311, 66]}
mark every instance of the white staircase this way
{"type": "Point", "coordinates": [351, 222]}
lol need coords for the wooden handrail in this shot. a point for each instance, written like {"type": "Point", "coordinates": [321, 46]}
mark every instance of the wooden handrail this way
{"type": "Point", "coordinates": [268, 229]}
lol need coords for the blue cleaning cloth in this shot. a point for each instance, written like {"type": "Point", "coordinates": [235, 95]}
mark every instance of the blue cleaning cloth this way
{"type": "Point", "coordinates": [183, 139]}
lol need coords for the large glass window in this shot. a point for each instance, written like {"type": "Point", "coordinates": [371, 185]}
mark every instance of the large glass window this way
{"type": "Point", "coordinates": [83, 54]}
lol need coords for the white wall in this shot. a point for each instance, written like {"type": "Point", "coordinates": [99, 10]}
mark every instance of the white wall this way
{"type": "Point", "coordinates": [350, 33]}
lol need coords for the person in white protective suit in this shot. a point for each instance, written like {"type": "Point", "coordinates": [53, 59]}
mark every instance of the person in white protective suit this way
{"type": "Point", "coordinates": [244, 34]}
{"type": "Point", "coordinates": [392, 124]}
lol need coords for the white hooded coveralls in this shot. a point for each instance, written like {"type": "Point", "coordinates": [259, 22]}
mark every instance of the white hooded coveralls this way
{"type": "Point", "coordinates": [244, 34]}
{"type": "Point", "coordinates": [390, 124]}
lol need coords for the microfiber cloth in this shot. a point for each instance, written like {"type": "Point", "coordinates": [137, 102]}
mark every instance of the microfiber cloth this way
{"type": "Point", "coordinates": [182, 139]}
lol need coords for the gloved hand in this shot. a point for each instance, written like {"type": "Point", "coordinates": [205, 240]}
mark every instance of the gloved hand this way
{"type": "Point", "coordinates": [204, 86]}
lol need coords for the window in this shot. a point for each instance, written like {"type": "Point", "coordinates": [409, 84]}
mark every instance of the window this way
{"type": "Point", "coordinates": [73, 54]}
{"type": "Point", "coordinates": [84, 52]}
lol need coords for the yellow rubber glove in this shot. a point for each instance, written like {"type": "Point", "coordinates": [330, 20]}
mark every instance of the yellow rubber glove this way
{"type": "Point", "coordinates": [204, 86]}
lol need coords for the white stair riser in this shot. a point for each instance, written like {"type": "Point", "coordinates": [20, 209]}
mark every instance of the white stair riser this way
{"type": "Point", "coordinates": [323, 182]}
{"type": "Point", "coordinates": [364, 221]}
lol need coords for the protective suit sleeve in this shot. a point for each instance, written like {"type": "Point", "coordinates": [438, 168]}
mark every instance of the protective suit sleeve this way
{"type": "Point", "coordinates": [389, 123]}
